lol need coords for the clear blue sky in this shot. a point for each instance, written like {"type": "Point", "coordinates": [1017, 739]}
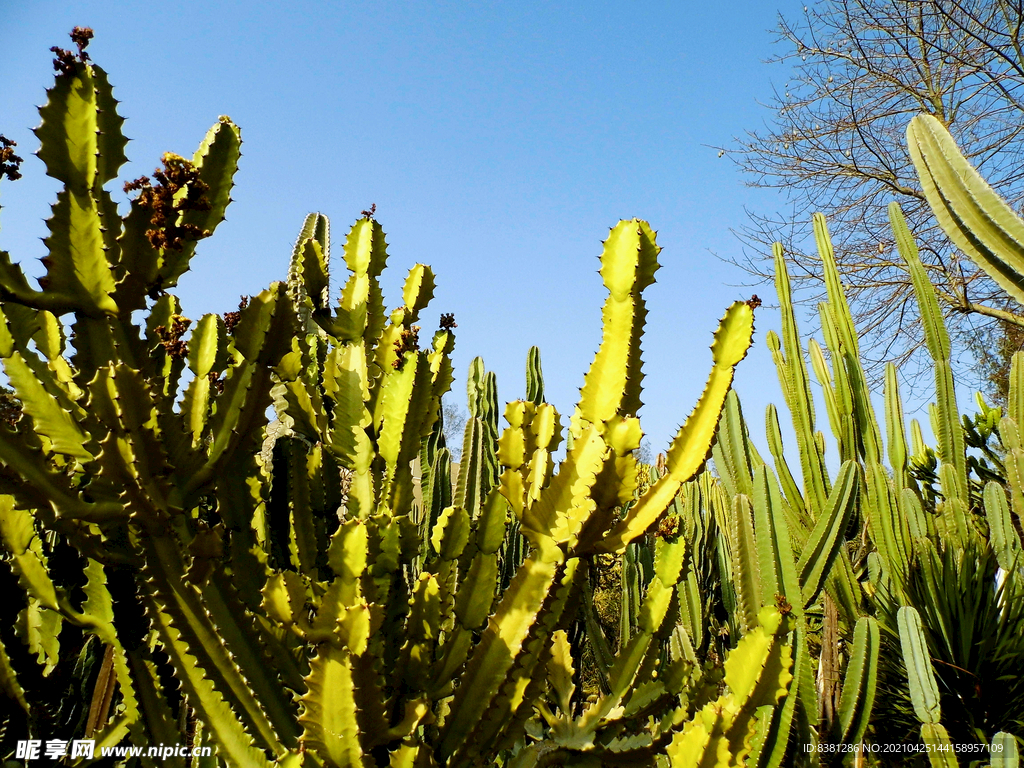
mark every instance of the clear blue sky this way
{"type": "Point", "coordinates": [499, 141]}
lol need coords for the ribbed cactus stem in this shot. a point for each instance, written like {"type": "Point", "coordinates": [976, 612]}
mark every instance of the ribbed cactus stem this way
{"type": "Point", "coordinates": [534, 377]}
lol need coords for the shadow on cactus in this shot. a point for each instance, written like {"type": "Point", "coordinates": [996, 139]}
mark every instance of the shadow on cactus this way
{"type": "Point", "coordinates": [186, 573]}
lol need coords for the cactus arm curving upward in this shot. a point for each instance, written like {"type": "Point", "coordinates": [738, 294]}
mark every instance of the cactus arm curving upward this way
{"type": "Point", "coordinates": [613, 383]}
{"type": "Point", "coordinates": [216, 160]}
{"type": "Point", "coordinates": [971, 213]}
{"type": "Point", "coordinates": [757, 673]}
{"type": "Point", "coordinates": [71, 140]}
{"type": "Point", "coordinates": [691, 446]}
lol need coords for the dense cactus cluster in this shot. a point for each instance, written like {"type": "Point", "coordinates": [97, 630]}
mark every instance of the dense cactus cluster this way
{"type": "Point", "coordinates": [275, 590]}
{"type": "Point", "coordinates": [326, 587]}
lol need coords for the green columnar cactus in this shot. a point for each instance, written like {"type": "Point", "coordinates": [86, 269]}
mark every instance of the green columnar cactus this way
{"type": "Point", "coordinates": [859, 685]}
{"type": "Point", "coordinates": [931, 532]}
{"type": "Point", "coordinates": [537, 424]}
{"type": "Point", "coordinates": [478, 467]}
{"type": "Point", "coordinates": [924, 691]}
{"type": "Point", "coordinates": [1003, 752]}
{"type": "Point", "coordinates": [956, 519]}
{"type": "Point", "coordinates": [791, 542]}
{"type": "Point", "coordinates": [972, 214]}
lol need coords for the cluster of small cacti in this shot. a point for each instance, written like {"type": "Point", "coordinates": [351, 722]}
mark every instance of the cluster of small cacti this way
{"type": "Point", "coordinates": [327, 588]}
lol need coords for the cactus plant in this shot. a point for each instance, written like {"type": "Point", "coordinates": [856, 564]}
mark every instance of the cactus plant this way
{"type": "Point", "coordinates": [972, 214]}
{"type": "Point", "coordinates": [930, 531]}
{"type": "Point", "coordinates": [272, 590]}
{"type": "Point", "coordinates": [295, 592]}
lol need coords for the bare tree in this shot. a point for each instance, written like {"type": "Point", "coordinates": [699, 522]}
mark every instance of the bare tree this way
{"type": "Point", "coordinates": [645, 453]}
{"type": "Point", "coordinates": [454, 424]}
{"type": "Point", "coordinates": [861, 69]}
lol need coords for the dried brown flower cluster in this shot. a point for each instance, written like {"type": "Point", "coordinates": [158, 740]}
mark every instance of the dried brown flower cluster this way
{"type": "Point", "coordinates": [231, 318]}
{"type": "Point", "coordinates": [10, 163]}
{"type": "Point", "coordinates": [81, 36]}
{"type": "Point", "coordinates": [216, 381]}
{"type": "Point", "coordinates": [165, 205]}
{"type": "Point", "coordinates": [448, 321]}
{"type": "Point", "coordinates": [409, 341]}
{"type": "Point", "coordinates": [668, 528]}
{"type": "Point", "coordinates": [783, 605]}
{"type": "Point", "coordinates": [170, 338]}
{"type": "Point", "coordinates": [754, 301]}
{"type": "Point", "coordinates": [368, 214]}
{"type": "Point", "coordinates": [64, 61]}
{"type": "Point", "coordinates": [10, 407]}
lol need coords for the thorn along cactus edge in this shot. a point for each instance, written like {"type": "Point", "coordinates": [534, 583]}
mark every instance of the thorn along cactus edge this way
{"type": "Point", "coordinates": [329, 589]}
